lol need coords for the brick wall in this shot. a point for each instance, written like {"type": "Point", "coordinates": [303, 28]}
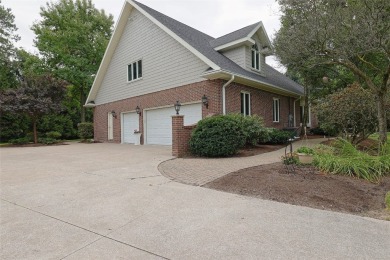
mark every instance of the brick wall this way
{"type": "Point", "coordinates": [188, 93]}
{"type": "Point", "coordinates": [180, 136]}
{"type": "Point", "coordinates": [261, 104]}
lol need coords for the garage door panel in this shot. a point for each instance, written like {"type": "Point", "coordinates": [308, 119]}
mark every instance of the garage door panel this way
{"type": "Point", "coordinates": [159, 122]}
{"type": "Point", "coordinates": [130, 123]}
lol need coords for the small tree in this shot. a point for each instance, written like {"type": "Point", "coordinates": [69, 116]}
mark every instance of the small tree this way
{"type": "Point", "coordinates": [351, 111]}
{"type": "Point", "coordinates": [37, 96]}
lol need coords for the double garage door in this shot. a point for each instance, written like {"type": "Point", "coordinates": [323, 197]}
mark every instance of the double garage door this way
{"type": "Point", "coordinates": [158, 123]}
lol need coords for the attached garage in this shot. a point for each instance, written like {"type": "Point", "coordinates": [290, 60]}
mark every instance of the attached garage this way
{"type": "Point", "coordinates": [130, 122]}
{"type": "Point", "coordinates": [158, 122]}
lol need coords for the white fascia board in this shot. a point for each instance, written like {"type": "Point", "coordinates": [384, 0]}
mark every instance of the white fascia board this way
{"type": "Point", "coordinates": [230, 45]}
{"type": "Point", "coordinates": [176, 37]}
{"type": "Point", "coordinates": [112, 44]}
{"type": "Point", "coordinates": [260, 25]}
{"type": "Point", "coordinates": [224, 74]}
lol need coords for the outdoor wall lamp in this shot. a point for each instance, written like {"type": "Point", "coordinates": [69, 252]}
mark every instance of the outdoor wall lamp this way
{"type": "Point", "coordinates": [177, 107]}
{"type": "Point", "coordinates": [113, 113]}
{"type": "Point", "coordinates": [138, 110]}
{"type": "Point", "coordinates": [205, 101]}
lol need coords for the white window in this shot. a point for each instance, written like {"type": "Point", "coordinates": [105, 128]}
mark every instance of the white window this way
{"type": "Point", "coordinates": [110, 126]}
{"type": "Point", "coordinates": [255, 57]}
{"type": "Point", "coordinates": [276, 110]}
{"type": "Point", "coordinates": [245, 103]}
{"type": "Point", "coordinates": [134, 71]}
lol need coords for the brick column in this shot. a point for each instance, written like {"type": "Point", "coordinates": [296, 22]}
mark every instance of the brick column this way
{"type": "Point", "coordinates": [177, 129]}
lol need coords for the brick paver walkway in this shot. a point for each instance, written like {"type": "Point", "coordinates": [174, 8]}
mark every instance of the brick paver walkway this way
{"type": "Point", "coordinates": [199, 171]}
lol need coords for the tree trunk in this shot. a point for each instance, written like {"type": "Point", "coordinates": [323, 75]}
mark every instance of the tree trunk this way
{"type": "Point", "coordinates": [35, 130]}
{"type": "Point", "coordinates": [382, 119]}
{"type": "Point", "coordinates": [82, 108]}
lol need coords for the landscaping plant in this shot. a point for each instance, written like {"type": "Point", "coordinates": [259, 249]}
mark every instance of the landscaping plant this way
{"type": "Point", "coordinates": [347, 160]}
{"type": "Point", "coordinates": [217, 136]}
{"type": "Point", "coordinates": [85, 130]}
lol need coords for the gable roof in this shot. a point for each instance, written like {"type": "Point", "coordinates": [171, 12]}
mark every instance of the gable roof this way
{"type": "Point", "coordinates": [200, 44]}
{"type": "Point", "coordinates": [233, 36]}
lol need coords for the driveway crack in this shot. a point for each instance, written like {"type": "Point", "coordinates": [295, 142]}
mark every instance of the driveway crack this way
{"type": "Point", "coordinates": [90, 231]}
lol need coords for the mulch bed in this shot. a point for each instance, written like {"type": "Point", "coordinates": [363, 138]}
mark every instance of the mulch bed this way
{"type": "Point", "coordinates": [308, 187]}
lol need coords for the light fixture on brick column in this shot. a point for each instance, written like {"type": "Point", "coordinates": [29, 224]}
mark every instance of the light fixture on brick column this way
{"type": "Point", "coordinates": [205, 101]}
{"type": "Point", "coordinates": [113, 113]}
{"type": "Point", "coordinates": [138, 110]}
{"type": "Point", "coordinates": [177, 107]}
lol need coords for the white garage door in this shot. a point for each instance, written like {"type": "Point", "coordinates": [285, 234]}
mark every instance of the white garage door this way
{"type": "Point", "coordinates": [159, 122]}
{"type": "Point", "coordinates": [130, 123]}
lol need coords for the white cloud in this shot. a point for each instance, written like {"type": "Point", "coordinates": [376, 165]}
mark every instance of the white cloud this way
{"type": "Point", "coordinates": [214, 17]}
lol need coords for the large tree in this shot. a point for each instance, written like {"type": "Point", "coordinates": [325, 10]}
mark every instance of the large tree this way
{"type": "Point", "coordinates": [353, 34]}
{"type": "Point", "coordinates": [35, 97]}
{"type": "Point", "coordinates": [8, 37]}
{"type": "Point", "coordinates": [72, 37]}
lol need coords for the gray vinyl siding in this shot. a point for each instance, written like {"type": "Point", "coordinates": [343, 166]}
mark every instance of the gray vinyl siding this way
{"type": "Point", "coordinates": [248, 55]}
{"type": "Point", "coordinates": [237, 55]}
{"type": "Point", "coordinates": [165, 62]}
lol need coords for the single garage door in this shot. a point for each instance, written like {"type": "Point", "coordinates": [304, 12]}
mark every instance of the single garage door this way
{"type": "Point", "coordinates": [159, 122]}
{"type": "Point", "coordinates": [130, 123]}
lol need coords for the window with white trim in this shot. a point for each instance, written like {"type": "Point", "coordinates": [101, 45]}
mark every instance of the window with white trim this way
{"type": "Point", "coordinates": [245, 103]}
{"type": "Point", "coordinates": [276, 110]}
{"type": "Point", "coordinates": [134, 71]}
{"type": "Point", "coordinates": [110, 126]}
{"type": "Point", "coordinates": [255, 57]}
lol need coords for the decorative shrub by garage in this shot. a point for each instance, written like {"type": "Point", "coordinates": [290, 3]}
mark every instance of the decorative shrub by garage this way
{"type": "Point", "coordinates": [217, 136]}
{"type": "Point", "coordinates": [85, 130]}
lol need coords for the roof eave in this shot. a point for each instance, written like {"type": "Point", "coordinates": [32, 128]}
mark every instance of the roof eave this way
{"type": "Point", "coordinates": [246, 41]}
{"type": "Point", "coordinates": [226, 75]}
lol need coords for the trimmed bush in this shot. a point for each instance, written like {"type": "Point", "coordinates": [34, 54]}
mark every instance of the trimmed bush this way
{"type": "Point", "coordinates": [252, 127]}
{"type": "Point", "coordinates": [53, 135]}
{"type": "Point", "coordinates": [47, 140]}
{"type": "Point", "coordinates": [217, 136]}
{"type": "Point", "coordinates": [277, 136]}
{"type": "Point", "coordinates": [85, 130]}
{"type": "Point", "coordinates": [23, 140]}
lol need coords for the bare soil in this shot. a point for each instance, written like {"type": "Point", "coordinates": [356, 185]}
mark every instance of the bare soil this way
{"type": "Point", "coordinates": [308, 187]}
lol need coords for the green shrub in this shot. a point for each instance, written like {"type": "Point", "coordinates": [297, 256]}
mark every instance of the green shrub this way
{"type": "Point", "coordinates": [217, 136]}
{"type": "Point", "coordinates": [53, 135]}
{"type": "Point", "coordinates": [305, 150]}
{"type": "Point", "coordinates": [47, 140]}
{"type": "Point", "coordinates": [85, 130]}
{"type": "Point", "coordinates": [252, 127]}
{"type": "Point", "coordinates": [347, 160]}
{"type": "Point", "coordinates": [290, 159]}
{"type": "Point", "coordinates": [277, 136]}
{"type": "Point", "coordinates": [23, 140]}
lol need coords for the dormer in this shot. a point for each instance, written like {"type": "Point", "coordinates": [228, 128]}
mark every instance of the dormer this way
{"type": "Point", "coordinates": [247, 47]}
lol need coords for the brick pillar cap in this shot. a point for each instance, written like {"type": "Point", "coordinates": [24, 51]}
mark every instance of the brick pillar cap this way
{"type": "Point", "coordinates": [178, 116]}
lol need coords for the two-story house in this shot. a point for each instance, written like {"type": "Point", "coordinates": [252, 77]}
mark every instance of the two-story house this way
{"type": "Point", "coordinates": [152, 61]}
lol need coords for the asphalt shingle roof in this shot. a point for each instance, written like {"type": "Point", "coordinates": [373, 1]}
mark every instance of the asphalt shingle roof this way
{"type": "Point", "coordinates": [204, 44]}
{"type": "Point", "coordinates": [236, 35]}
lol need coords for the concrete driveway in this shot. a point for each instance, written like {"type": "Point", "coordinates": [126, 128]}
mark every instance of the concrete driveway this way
{"type": "Point", "coordinates": [108, 201]}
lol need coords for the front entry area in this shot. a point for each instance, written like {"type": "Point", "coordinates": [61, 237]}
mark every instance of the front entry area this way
{"type": "Point", "coordinates": [130, 122]}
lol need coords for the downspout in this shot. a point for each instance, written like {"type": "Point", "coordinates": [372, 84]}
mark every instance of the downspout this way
{"type": "Point", "coordinates": [224, 94]}
{"type": "Point", "coordinates": [295, 119]}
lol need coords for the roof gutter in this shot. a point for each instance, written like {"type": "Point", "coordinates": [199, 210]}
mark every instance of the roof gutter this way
{"type": "Point", "coordinates": [224, 94]}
